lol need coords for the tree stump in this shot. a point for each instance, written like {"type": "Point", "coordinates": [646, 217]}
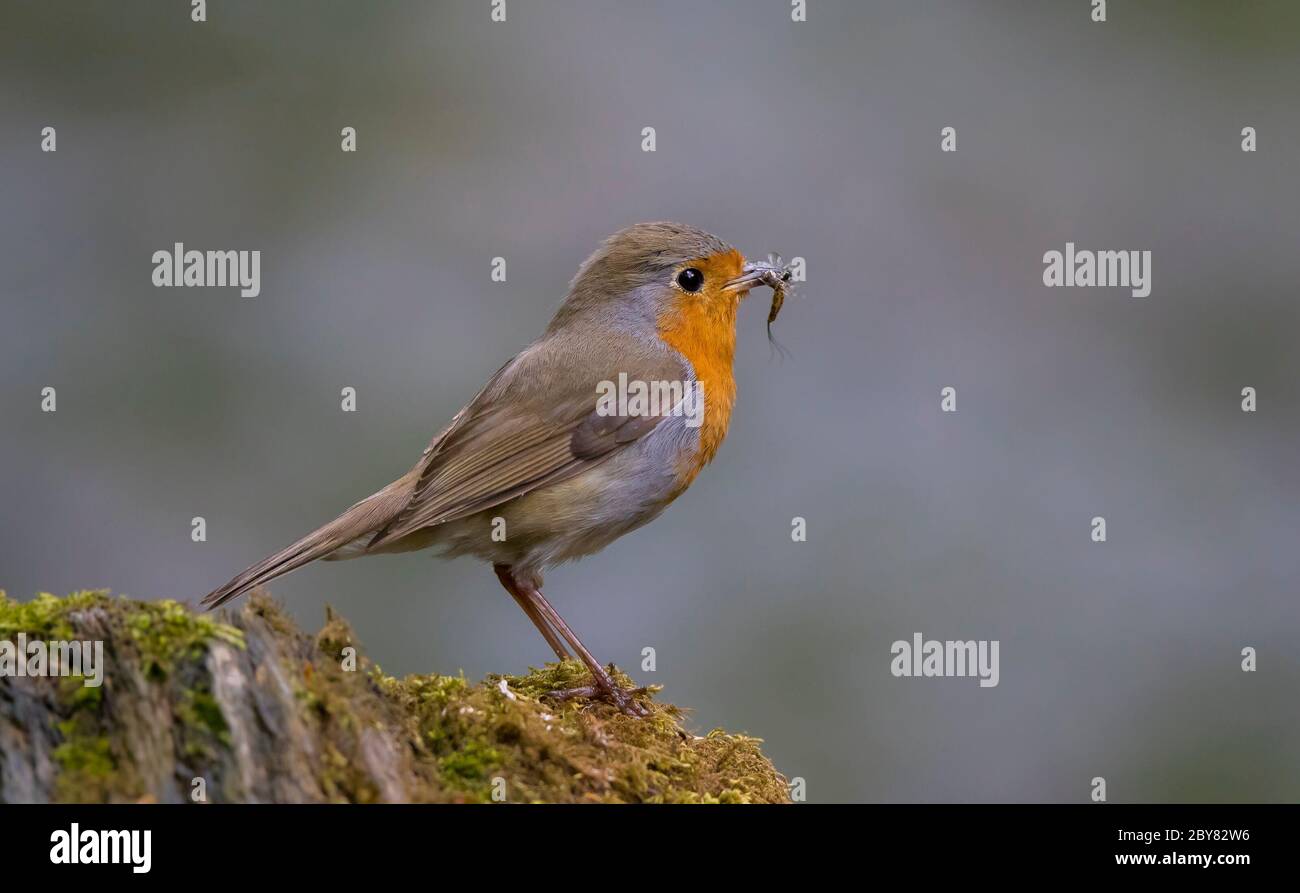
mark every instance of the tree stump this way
{"type": "Point", "coordinates": [244, 707]}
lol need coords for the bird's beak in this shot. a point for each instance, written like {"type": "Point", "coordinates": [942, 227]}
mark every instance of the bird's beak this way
{"type": "Point", "coordinates": [751, 274]}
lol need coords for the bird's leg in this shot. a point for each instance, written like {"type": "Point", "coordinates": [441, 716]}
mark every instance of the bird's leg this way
{"type": "Point", "coordinates": [605, 686]}
{"type": "Point", "coordinates": [508, 581]}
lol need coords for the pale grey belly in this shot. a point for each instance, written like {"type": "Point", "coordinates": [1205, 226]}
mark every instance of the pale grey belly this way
{"type": "Point", "coordinates": [581, 515]}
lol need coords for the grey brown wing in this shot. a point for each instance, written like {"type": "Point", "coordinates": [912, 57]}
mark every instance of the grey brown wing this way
{"type": "Point", "coordinates": [500, 448]}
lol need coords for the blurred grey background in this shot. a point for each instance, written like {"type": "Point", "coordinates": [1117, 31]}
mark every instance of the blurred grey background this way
{"type": "Point", "coordinates": [819, 139]}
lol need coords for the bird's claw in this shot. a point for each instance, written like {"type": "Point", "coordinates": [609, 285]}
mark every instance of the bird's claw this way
{"type": "Point", "coordinates": [613, 694]}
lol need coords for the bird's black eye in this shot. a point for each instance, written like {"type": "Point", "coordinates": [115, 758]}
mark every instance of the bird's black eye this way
{"type": "Point", "coordinates": [690, 279]}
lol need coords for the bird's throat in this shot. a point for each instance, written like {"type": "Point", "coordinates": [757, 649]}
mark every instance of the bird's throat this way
{"type": "Point", "coordinates": [705, 334]}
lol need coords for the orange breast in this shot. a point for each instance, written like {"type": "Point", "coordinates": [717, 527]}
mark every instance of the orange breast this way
{"type": "Point", "coordinates": [702, 328]}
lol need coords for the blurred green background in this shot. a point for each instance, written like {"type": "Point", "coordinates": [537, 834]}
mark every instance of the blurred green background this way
{"type": "Point", "coordinates": [819, 139]}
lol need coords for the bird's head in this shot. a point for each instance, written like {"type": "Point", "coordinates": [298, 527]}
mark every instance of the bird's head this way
{"type": "Point", "coordinates": [664, 274]}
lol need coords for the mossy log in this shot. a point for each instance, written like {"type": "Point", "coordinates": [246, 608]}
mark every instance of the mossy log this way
{"type": "Point", "coordinates": [244, 707]}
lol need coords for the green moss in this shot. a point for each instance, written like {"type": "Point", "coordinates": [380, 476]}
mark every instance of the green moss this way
{"type": "Point", "coordinates": [163, 632]}
{"type": "Point", "coordinates": [158, 637]}
{"type": "Point", "coordinates": [552, 677]}
{"type": "Point", "coordinates": [471, 765]}
{"type": "Point", "coordinates": [337, 690]}
{"type": "Point", "coordinates": [87, 766]}
{"type": "Point", "coordinates": [202, 724]}
{"type": "Point", "coordinates": [503, 738]}
{"type": "Point", "coordinates": [46, 616]}
{"type": "Point", "coordinates": [167, 632]}
{"type": "Point", "coordinates": [83, 754]}
{"type": "Point", "coordinates": [74, 693]}
{"type": "Point", "coordinates": [84, 757]}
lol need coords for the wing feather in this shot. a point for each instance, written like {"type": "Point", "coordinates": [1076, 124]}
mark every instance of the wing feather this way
{"type": "Point", "coordinates": [516, 436]}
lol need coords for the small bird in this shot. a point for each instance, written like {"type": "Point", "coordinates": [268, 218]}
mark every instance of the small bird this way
{"type": "Point", "coordinates": [540, 467]}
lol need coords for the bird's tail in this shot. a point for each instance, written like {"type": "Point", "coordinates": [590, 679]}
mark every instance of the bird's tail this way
{"type": "Point", "coordinates": [362, 519]}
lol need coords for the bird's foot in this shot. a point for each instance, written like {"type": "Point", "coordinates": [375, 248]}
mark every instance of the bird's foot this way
{"type": "Point", "coordinates": [605, 690]}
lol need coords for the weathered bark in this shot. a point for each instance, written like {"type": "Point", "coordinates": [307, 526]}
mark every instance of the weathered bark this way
{"type": "Point", "coordinates": [246, 708]}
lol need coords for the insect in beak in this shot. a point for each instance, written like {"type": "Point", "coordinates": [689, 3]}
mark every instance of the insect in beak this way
{"type": "Point", "coordinates": [751, 274]}
{"type": "Point", "coordinates": [756, 272]}
{"type": "Point", "coordinates": [774, 274]}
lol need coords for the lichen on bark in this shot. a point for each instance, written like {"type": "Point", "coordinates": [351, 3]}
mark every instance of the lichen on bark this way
{"type": "Point", "coordinates": [246, 708]}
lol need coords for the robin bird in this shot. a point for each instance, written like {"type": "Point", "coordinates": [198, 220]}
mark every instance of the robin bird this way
{"type": "Point", "coordinates": [535, 470]}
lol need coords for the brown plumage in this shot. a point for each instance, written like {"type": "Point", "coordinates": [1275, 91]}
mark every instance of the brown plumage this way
{"type": "Point", "coordinates": [532, 451]}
